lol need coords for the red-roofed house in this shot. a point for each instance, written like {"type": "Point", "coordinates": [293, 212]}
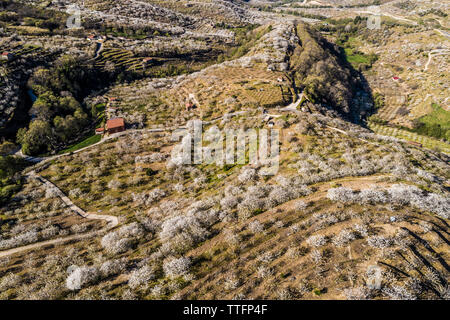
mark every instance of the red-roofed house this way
{"type": "Point", "coordinates": [7, 56]}
{"type": "Point", "coordinates": [147, 61]}
{"type": "Point", "coordinates": [99, 130]}
{"type": "Point", "coordinates": [395, 78]}
{"type": "Point", "coordinates": [189, 106]}
{"type": "Point", "coordinates": [115, 125]}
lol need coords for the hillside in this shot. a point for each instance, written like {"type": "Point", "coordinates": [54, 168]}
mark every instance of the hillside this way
{"type": "Point", "coordinates": [280, 65]}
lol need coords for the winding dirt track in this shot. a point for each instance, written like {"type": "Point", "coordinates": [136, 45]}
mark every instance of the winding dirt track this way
{"type": "Point", "coordinates": [111, 220]}
{"type": "Point", "coordinates": [433, 53]}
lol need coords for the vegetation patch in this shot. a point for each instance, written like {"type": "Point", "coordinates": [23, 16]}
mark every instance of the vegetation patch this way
{"type": "Point", "coordinates": [85, 143]}
{"type": "Point", "coordinates": [435, 124]}
{"type": "Point", "coordinates": [10, 181]}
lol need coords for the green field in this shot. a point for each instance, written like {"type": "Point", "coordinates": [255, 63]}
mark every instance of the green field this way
{"type": "Point", "coordinates": [356, 59]}
{"type": "Point", "coordinates": [87, 142]}
{"type": "Point", "coordinates": [435, 124]}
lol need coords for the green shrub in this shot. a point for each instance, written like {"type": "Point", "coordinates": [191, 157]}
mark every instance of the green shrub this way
{"type": "Point", "coordinates": [150, 172]}
{"type": "Point", "coordinates": [317, 292]}
{"type": "Point", "coordinates": [10, 182]}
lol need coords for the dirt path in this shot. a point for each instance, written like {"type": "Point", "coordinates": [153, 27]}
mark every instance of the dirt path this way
{"type": "Point", "coordinates": [402, 18]}
{"type": "Point", "coordinates": [36, 245]}
{"type": "Point", "coordinates": [293, 106]}
{"type": "Point", "coordinates": [380, 13]}
{"type": "Point", "coordinates": [433, 53]}
{"type": "Point", "coordinates": [442, 32]}
{"type": "Point", "coordinates": [111, 220]}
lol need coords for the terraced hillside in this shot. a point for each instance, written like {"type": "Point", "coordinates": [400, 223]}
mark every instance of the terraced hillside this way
{"type": "Point", "coordinates": [411, 136]}
{"type": "Point", "coordinates": [270, 75]}
{"type": "Point", "coordinates": [120, 58]}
